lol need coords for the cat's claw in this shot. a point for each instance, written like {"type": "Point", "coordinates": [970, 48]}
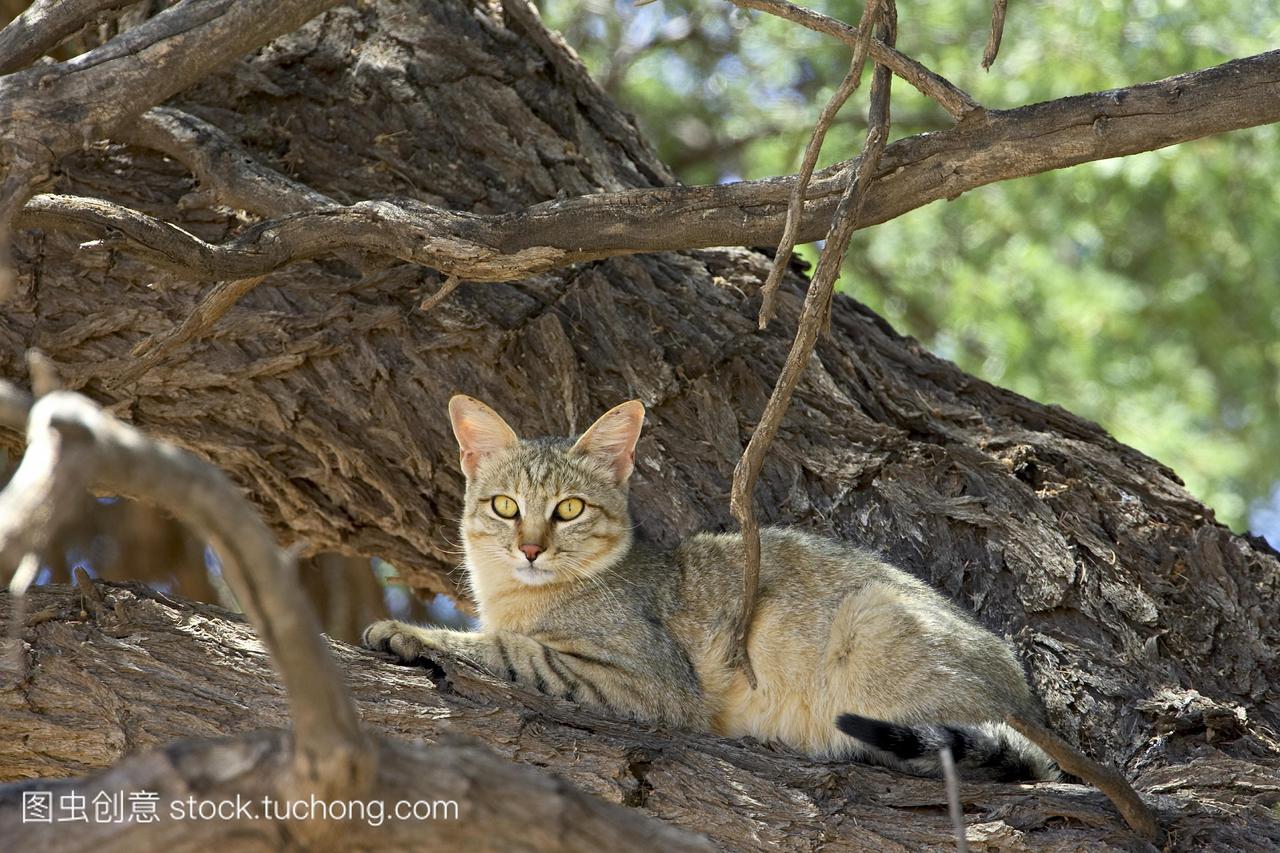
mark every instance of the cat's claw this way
{"type": "Point", "coordinates": [401, 640]}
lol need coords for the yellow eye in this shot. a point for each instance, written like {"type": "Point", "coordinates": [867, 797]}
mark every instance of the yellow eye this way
{"type": "Point", "coordinates": [505, 506]}
{"type": "Point", "coordinates": [569, 509]}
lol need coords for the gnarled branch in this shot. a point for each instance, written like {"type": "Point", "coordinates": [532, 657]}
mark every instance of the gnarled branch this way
{"type": "Point", "coordinates": [43, 26]}
{"type": "Point", "coordinates": [72, 445]}
{"type": "Point", "coordinates": [912, 172]}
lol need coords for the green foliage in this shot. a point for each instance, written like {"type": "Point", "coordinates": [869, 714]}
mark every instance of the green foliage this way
{"type": "Point", "coordinates": [1143, 293]}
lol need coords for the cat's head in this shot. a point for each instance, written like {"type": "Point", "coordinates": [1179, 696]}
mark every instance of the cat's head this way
{"type": "Point", "coordinates": [544, 510]}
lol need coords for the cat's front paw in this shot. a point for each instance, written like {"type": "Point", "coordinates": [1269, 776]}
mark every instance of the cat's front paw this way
{"type": "Point", "coordinates": [407, 642]}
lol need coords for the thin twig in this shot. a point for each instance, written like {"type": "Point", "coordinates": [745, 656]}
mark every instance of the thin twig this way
{"type": "Point", "coordinates": [998, 10]}
{"type": "Point", "coordinates": [1116, 788]}
{"type": "Point", "coordinates": [450, 285]}
{"type": "Point", "coordinates": [215, 304]}
{"type": "Point", "coordinates": [952, 779]}
{"type": "Point", "coordinates": [795, 205]}
{"type": "Point", "coordinates": [958, 103]}
{"type": "Point", "coordinates": [18, 584]}
{"type": "Point", "coordinates": [812, 319]}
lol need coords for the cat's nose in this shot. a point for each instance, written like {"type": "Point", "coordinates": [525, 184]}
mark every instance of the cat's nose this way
{"type": "Point", "coordinates": [531, 551]}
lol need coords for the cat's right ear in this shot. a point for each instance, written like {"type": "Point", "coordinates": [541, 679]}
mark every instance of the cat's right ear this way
{"type": "Point", "coordinates": [480, 431]}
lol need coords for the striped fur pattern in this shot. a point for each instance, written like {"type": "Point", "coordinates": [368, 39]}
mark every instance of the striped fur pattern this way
{"type": "Point", "coordinates": [572, 605]}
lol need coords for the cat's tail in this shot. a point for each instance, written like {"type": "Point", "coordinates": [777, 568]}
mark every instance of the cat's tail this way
{"type": "Point", "coordinates": [982, 751]}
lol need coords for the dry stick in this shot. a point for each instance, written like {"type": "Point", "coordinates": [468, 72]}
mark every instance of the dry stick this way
{"type": "Point", "coordinates": [952, 779]}
{"type": "Point", "coordinates": [43, 26]}
{"type": "Point", "coordinates": [795, 205]}
{"type": "Point", "coordinates": [42, 493]}
{"type": "Point", "coordinates": [215, 304]}
{"type": "Point", "coordinates": [998, 10]}
{"type": "Point", "coordinates": [70, 440]}
{"type": "Point", "coordinates": [1116, 788]}
{"type": "Point", "coordinates": [957, 102]}
{"type": "Point", "coordinates": [812, 317]}
{"type": "Point", "coordinates": [449, 286]}
{"type": "Point", "coordinates": [18, 584]}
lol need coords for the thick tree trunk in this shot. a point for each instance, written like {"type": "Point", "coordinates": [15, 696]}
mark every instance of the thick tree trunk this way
{"type": "Point", "coordinates": [1149, 630]}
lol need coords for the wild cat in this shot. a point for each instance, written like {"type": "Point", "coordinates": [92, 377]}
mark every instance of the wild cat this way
{"type": "Point", "coordinates": [854, 658]}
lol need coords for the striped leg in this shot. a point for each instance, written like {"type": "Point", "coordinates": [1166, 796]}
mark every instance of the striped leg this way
{"type": "Point", "coordinates": [515, 657]}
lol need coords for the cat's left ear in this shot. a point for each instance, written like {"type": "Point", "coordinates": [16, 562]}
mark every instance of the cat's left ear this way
{"type": "Point", "coordinates": [612, 439]}
{"type": "Point", "coordinates": [480, 431]}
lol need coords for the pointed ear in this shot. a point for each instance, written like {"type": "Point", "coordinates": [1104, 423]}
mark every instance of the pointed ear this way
{"type": "Point", "coordinates": [479, 430]}
{"type": "Point", "coordinates": [612, 439]}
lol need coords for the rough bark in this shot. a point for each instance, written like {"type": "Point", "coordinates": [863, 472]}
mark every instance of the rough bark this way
{"type": "Point", "coordinates": [207, 675]}
{"type": "Point", "coordinates": [85, 706]}
{"type": "Point", "coordinates": [1148, 628]}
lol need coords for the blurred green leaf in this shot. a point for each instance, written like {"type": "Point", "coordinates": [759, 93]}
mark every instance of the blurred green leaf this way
{"type": "Point", "coordinates": [1143, 293]}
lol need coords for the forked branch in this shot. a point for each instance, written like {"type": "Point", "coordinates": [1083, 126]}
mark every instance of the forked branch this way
{"type": "Point", "coordinates": [957, 102]}
{"type": "Point", "coordinates": [812, 320]}
{"type": "Point", "coordinates": [43, 26]}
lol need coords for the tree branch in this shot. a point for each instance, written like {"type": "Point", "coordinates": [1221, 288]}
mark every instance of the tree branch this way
{"type": "Point", "coordinates": [737, 793]}
{"type": "Point", "coordinates": [220, 164]}
{"type": "Point", "coordinates": [43, 26]}
{"type": "Point", "coordinates": [957, 102]}
{"type": "Point", "coordinates": [468, 799]}
{"type": "Point", "coordinates": [72, 445]}
{"type": "Point", "coordinates": [46, 112]}
{"type": "Point", "coordinates": [812, 320]}
{"type": "Point", "coordinates": [999, 8]}
{"type": "Point", "coordinates": [215, 304]}
{"type": "Point", "coordinates": [913, 172]}
{"type": "Point", "coordinates": [795, 204]}
{"type": "Point", "coordinates": [1105, 779]}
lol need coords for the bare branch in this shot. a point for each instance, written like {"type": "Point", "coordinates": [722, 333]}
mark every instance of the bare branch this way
{"type": "Point", "coordinates": [913, 172]}
{"type": "Point", "coordinates": [957, 102]}
{"type": "Point", "coordinates": [48, 111]}
{"type": "Point", "coordinates": [1108, 781]}
{"type": "Point", "coordinates": [41, 495]}
{"type": "Point", "coordinates": [449, 286]}
{"type": "Point", "coordinates": [43, 26]}
{"type": "Point", "coordinates": [813, 318]}
{"type": "Point", "coordinates": [43, 373]}
{"type": "Point", "coordinates": [952, 781]}
{"type": "Point", "coordinates": [71, 444]}
{"type": "Point", "coordinates": [998, 10]}
{"type": "Point", "coordinates": [220, 164]}
{"type": "Point", "coordinates": [795, 204]}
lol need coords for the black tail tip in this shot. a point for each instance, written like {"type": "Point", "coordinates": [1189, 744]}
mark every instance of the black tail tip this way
{"type": "Point", "coordinates": [890, 737]}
